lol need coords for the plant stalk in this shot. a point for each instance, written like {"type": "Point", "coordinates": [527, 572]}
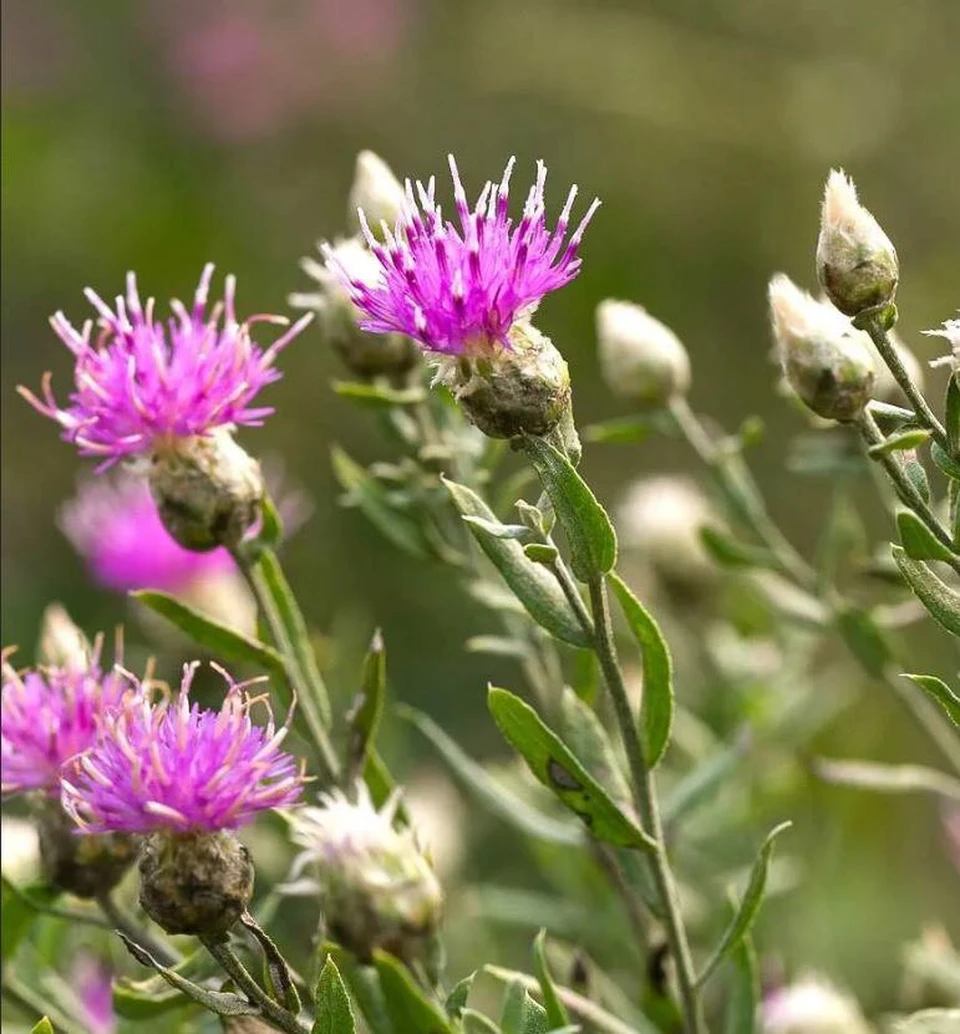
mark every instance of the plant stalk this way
{"type": "Point", "coordinates": [121, 920]}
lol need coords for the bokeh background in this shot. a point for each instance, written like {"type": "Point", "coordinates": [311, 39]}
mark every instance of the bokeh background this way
{"type": "Point", "coordinates": [162, 134]}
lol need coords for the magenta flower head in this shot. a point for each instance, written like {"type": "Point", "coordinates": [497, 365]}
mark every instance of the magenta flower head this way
{"type": "Point", "coordinates": [171, 394]}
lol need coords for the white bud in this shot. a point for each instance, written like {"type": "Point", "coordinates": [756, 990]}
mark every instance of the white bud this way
{"type": "Point", "coordinates": [811, 1006]}
{"type": "Point", "coordinates": [950, 332]}
{"type": "Point", "coordinates": [20, 855]}
{"type": "Point", "coordinates": [62, 644]}
{"type": "Point", "coordinates": [640, 358]}
{"type": "Point", "coordinates": [376, 190]}
{"type": "Point", "coordinates": [826, 360]}
{"type": "Point", "coordinates": [856, 262]}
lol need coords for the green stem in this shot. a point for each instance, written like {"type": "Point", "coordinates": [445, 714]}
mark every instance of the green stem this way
{"type": "Point", "coordinates": [275, 1014]}
{"type": "Point", "coordinates": [278, 605]}
{"type": "Point", "coordinates": [121, 920]}
{"type": "Point", "coordinates": [875, 328]}
{"type": "Point", "coordinates": [647, 808]}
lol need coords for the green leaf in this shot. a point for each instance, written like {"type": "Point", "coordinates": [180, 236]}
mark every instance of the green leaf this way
{"type": "Point", "coordinates": [498, 799]}
{"type": "Point", "coordinates": [592, 540]}
{"type": "Point", "coordinates": [942, 601]}
{"type": "Point", "coordinates": [940, 693]}
{"type": "Point", "coordinates": [951, 408]}
{"type": "Point", "coordinates": [916, 474]}
{"type": "Point", "coordinates": [536, 588]}
{"type": "Point", "coordinates": [730, 553]}
{"type": "Point", "coordinates": [279, 977]}
{"type": "Point", "coordinates": [333, 1014]}
{"type": "Point", "coordinates": [628, 429]}
{"type": "Point", "coordinates": [900, 441]}
{"type": "Point", "coordinates": [476, 1023]}
{"type": "Point", "coordinates": [656, 706]}
{"type": "Point", "coordinates": [541, 553]}
{"type": "Point", "coordinates": [154, 996]}
{"type": "Point", "coordinates": [945, 461]}
{"type": "Point", "coordinates": [410, 1010]}
{"type": "Point", "coordinates": [553, 763]}
{"type": "Point", "coordinates": [870, 775]}
{"type": "Point", "coordinates": [557, 1015]}
{"type": "Point", "coordinates": [864, 638]}
{"type": "Point", "coordinates": [271, 524]}
{"type": "Point", "coordinates": [218, 639]}
{"type": "Point", "coordinates": [498, 646]}
{"type": "Point", "coordinates": [919, 542]}
{"type": "Point", "coordinates": [748, 908]}
{"type": "Point", "coordinates": [584, 733]}
{"type": "Point", "coordinates": [367, 709]}
{"type": "Point", "coordinates": [375, 503]}
{"type": "Point", "coordinates": [379, 396]}
{"type": "Point", "coordinates": [42, 1026]}
{"type": "Point", "coordinates": [521, 1014]}
{"type": "Point", "coordinates": [457, 999]}
{"type": "Point", "coordinates": [223, 1003]}
{"type": "Point", "coordinates": [18, 915]}
{"type": "Point", "coordinates": [698, 785]}
{"type": "Point", "coordinates": [365, 987]}
{"type": "Point", "coordinates": [743, 996]}
{"type": "Point", "coordinates": [499, 530]}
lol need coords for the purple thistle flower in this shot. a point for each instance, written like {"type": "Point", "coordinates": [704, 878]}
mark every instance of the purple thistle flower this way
{"type": "Point", "coordinates": [141, 383]}
{"type": "Point", "coordinates": [169, 765]}
{"type": "Point", "coordinates": [460, 290]}
{"type": "Point", "coordinates": [49, 716]}
{"type": "Point", "coordinates": [92, 978]}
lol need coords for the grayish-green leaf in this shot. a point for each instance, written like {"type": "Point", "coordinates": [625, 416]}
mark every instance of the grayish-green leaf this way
{"type": "Point", "coordinates": [521, 1014]}
{"type": "Point", "coordinates": [476, 1023]}
{"type": "Point", "coordinates": [145, 999]}
{"type": "Point", "coordinates": [457, 999]}
{"type": "Point", "coordinates": [557, 1015]}
{"type": "Point", "coordinates": [743, 994]}
{"type": "Point", "coordinates": [588, 739]}
{"type": "Point", "coordinates": [919, 542]}
{"type": "Point", "coordinates": [864, 638]}
{"type": "Point", "coordinates": [940, 599]}
{"type": "Point", "coordinates": [379, 396]}
{"type": "Point", "coordinates": [871, 775]}
{"type": "Point", "coordinates": [900, 441]}
{"type": "Point", "coordinates": [333, 1013]}
{"type": "Point", "coordinates": [499, 530]}
{"type": "Point", "coordinates": [541, 553]}
{"type": "Point", "coordinates": [940, 693]}
{"type": "Point", "coordinates": [410, 1009]}
{"type": "Point", "coordinates": [367, 708]}
{"type": "Point", "coordinates": [699, 784]}
{"type": "Point", "coordinates": [555, 765]}
{"type": "Point", "coordinates": [945, 461]}
{"type": "Point", "coordinates": [731, 553]}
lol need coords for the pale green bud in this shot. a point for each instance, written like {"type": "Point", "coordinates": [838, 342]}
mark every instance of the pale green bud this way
{"type": "Point", "coordinates": [376, 190]}
{"type": "Point", "coordinates": [856, 262]}
{"type": "Point", "coordinates": [62, 644]}
{"type": "Point", "coordinates": [825, 359]}
{"type": "Point", "coordinates": [641, 359]}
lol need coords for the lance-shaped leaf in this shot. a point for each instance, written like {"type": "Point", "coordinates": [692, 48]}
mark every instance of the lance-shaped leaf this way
{"type": "Point", "coordinates": [364, 985]}
{"type": "Point", "coordinates": [900, 441]}
{"type": "Point", "coordinates": [940, 693]}
{"type": "Point", "coordinates": [21, 906]}
{"type": "Point", "coordinates": [146, 999]}
{"type": "Point", "coordinates": [743, 994]}
{"type": "Point", "coordinates": [456, 1001]}
{"type": "Point", "coordinates": [521, 1014]}
{"type": "Point", "coordinates": [410, 1009]}
{"type": "Point", "coordinates": [864, 638]}
{"type": "Point", "coordinates": [279, 975]}
{"type": "Point", "coordinates": [870, 775]}
{"type": "Point", "coordinates": [333, 1013]}
{"type": "Point", "coordinates": [536, 588]}
{"type": "Point", "coordinates": [592, 540]}
{"type": "Point", "coordinates": [748, 908]}
{"type": "Point", "coordinates": [368, 705]}
{"type": "Point", "coordinates": [557, 1015]}
{"type": "Point", "coordinates": [951, 413]}
{"type": "Point", "coordinates": [701, 782]}
{"type": "Point", "coordinates": [587, 738]}
{"type": "Point", "coordinates": [731, 553]}
{"type": "Point", "coordinates": [497, 798]}
{"type": "Point", "coordinates": [942, 601]}
{"type": "Point", "coordinates": [379, 396]}
{"type": "Point", "coordinates": [656, 705]}
{"type": "Point", "coordinates": [919, 542]}
{"type": "Point", "coordinates": [555, 765]}
{"type": "Point", "coordinates": [42, 1026]}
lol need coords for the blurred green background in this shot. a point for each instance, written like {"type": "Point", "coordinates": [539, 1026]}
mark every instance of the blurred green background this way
{"type": "Point", "coordinates": [162, 134]}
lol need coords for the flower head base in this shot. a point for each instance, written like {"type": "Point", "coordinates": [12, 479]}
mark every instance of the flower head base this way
{"type": "Point", "coordinates": [458, 291]}
{"type": "Point", "coordinates": [826, 360]}
{"type": "Point", "coordinates": [856, 262]}
{"type": "Point", "coordinates": [379, 889]}
{"type": "Point", "coordinates": [168, 765]}
{"type": "Point", "coordinates": [141, 383]}
{"type": "Point", "coordinates": [49, 716]}
{"type": "Point", "coordinates": [811, 1006]}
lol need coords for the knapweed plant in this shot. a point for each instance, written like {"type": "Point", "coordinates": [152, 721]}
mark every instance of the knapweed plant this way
{"type": "Point", "coordinates": [152, 806]}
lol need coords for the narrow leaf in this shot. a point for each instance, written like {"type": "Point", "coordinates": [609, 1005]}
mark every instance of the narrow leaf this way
{"type": "Point", "coordinates": [154, 996]}
{"type": "Point", "coordinates": [942, 601]}
{"type": "Point", "coordinates": [498, 646]}
{"type": "Point", "coordinates": [333, 1014]}
{"type": "Point", "coordinates": [279, 976]}
{"type": "Point", "coordinates": [367, 710]}
{"type": "Point", "coordinates": [363, 983]}
{"type": "Point", "coordinates": [698, 785]}
{"type": "Point", "coordinates": [379, 396]}
{"type": "Point", "coordinates": [18, 915]}
{"type": "Point", "coordinates": [592, 540]}
{"type": "Point", "coordinates": [730, 553]}
{"type": "Point", "coordinates": [749, 906]}
{"type": "Point", "coordinates": [557, 1015]}
{"type": "Point", "coordinates": [864, 638]}
{"type": "Point", "coordinates": [919, 542]}
{"type": "Point", "coordinates": [554, 764]}
{"type": "Point", "coordinates": [743, 996]}
{"type": "Point", "coordinates": [498, 799]}
{"type": "Point", "coordinates": [476, 1023]}
{"type": "Point", "coordinates": [457, 999]}
{"type": "Point", "coordinates": [536, 588]}
{"type": "Point", "coordinates": [42, 1026]}
{"type": "Point", "coordinates": [940, 693]}
{"type": "Point", "coordinates": [900, 441]}
{"type": "Point", "coordinates": [951, 409]}
{"type": "Point", "coordinates": [500, 531]}
{"type": "Point", "coordinates": [945, 461]}
{"type": "Point", "coordinates": [410, 1009]}
{"type": "Point", "coordinates": [521, 1014]}
{"type": "Point", "coordinates": [629, 429]}
{"type": "Point", "coordinates": [587, 738]}
{"type": "Point", "coordinates": [541, 553]}
{"type": "Point", "coordinates": [656, 706]}
{"type": "Point", "coordinates": [870, 775]}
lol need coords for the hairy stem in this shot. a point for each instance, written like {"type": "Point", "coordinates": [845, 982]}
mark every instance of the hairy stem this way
{"type": "Point", "coordinates": [647, 808]}
{"type": "Point", "coordinates": [121, 920]}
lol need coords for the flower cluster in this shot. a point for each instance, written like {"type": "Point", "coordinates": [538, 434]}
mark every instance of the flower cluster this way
{"type": "Point", "coordinates": [459, 291]}
{"type": "Point", "coordinates": [140, 384]}
{"type": "Point", "coordinates": [167, 764]}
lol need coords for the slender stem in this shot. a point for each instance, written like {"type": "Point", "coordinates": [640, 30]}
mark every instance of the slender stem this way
{"type": "Point", "coordinates": [874, 327]}
{"type": "Point", "coordinates": [646, 800]}
{"type": "Point", "coordinates": [275, 1014]}
{"type": "Point", "coordinates": [906, 489]}
{"type": "Point", "coordinates": [121, 920]}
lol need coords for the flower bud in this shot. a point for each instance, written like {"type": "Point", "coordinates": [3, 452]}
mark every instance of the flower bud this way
{"type": "Point", "coordinates": [811, 1006]}
{"type": "Point", "coordinates": [856, 262]}
{"type": "Point", "coordinates": [196, 883]}
{"type": "Point", "coordinates": [62, 644]}
{"type": "Point", "coordinates": [81, 864]}
{"type": "Point", "coordinates": [506, 392]}
{"type": "Point", "coordinates": [19, 849]}
{"type": "Point", "coordinates": [378, 888]}
{"type": "Point", "coordinates": [826, 360]}
{"type": "Point", "coordinates": [376, 190]}
{"type": "Point", "coordinates": [366, 355]}
{"type": "Point", "coordinates": [641, 359]}
{"type": "Point", "coordinates": [950, 332]}
{"type": "Point", "coordinates": [208, 491]}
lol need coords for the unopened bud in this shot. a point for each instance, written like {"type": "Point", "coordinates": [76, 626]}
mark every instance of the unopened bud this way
{"type": "Point", "coordinates": [378, 888]}
{"type": "Point", "coordinates": [640, 358]}
{"type": "Point", "coordinates": [366, 355]}
{"type": "Point", "coordinates": [62, 644]}
{"type": "Point", "coordinates": [86, 865]}
{"type": "Point", "coordinates": [376, 190]}
{"type": "Point", "coordinates": [825, 359]}
{"type": "Point", "coordinates": [195, 883]}
{"type": "Point", "coordinates": [19, 849]}
{"type": "Point", "coordinates": [811, 1006]}
{"type": "Point", "coordinates": [950, 332]}
{"type": "Point", "coordinates": [523, 389]}
{"type": "Point", "coordinates": [856, 262]}
{"type": "Point", "coordinates": [208, 491]}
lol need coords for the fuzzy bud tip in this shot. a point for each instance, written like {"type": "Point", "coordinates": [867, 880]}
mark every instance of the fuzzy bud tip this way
{"type": "Point", "coordinates": [375, 190]}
